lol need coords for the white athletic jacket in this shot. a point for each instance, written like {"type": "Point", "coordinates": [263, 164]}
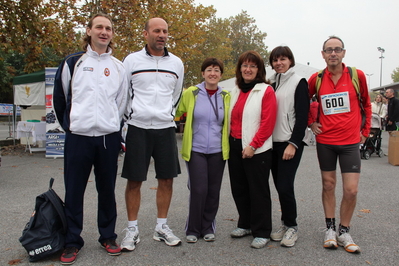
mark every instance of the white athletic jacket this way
{"type": "Point", "coordinates": [91, 100]}
{"type": "Point", "coordinates": [156, 84]}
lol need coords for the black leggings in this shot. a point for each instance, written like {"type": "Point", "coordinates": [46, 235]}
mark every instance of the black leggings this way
{"type": "Point", "coordinates": [284, 172]}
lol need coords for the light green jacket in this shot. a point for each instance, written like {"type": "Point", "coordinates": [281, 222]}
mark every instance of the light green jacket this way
{"type": "Point", "coordinates": [187, 105]}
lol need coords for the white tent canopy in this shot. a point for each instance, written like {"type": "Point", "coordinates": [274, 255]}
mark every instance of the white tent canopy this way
{"type": "Point", "coordinates": [29, 92]}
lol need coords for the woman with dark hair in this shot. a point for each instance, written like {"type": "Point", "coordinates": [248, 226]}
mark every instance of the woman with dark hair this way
{"type": "Point", "coordinates": [291, 123]}
{"type": "Point", "coordinates": [205, 148]}
{"type": "Point", "coordinates": [252, 118]}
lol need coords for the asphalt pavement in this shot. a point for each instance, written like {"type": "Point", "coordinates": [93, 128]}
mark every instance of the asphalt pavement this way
{"type": "Point", "coordinates": [374, 225]}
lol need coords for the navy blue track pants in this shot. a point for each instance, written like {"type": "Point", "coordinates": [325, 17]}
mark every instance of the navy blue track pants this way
{"type": "Point", "coordinates": [81, 154]}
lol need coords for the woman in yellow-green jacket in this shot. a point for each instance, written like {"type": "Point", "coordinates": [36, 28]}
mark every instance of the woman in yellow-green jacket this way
{"type": "Point", "coordinates": [205, 148]}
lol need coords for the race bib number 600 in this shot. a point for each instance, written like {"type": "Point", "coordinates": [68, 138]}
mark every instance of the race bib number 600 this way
{"type": "Point", "coordinates": [335, 103]}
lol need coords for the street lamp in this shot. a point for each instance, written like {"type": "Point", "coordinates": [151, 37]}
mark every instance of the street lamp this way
{"type": "Point", "coordinates": [381, 50]}
{"type": "Point", "coordinates": [369, 75]}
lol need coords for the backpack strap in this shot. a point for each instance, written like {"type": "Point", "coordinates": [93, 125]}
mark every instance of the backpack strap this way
{"type": "Point", "coordinates": [355, 81]}
{"type": "Point", "coordinates": [57, 203]}
{"type": "Point", "coordinates": [51, 183]}
{"type": "Point", "coordinates": [319, 78]}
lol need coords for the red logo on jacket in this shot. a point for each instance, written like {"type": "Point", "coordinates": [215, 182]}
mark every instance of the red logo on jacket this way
{"type": "Point", "coordinates": [106, 72]}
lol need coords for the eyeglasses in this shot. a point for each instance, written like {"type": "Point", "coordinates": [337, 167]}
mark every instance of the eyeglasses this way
{"type": "Point", "coordinates": [337, 50]}
{"type": "Point", "coordinates": [250, 66]}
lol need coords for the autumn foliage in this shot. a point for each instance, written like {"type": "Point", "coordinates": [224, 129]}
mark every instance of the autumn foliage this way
{"type": "Point", "coordinates": [39, 33]}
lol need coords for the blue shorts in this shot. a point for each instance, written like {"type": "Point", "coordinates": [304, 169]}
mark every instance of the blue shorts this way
{"type": "Point", "coordinates": [348, 156]}
{"type": "Point", "coordinates": [142, 144]}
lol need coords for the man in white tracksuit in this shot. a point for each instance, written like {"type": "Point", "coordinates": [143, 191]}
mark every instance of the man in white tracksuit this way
{"type": "Point", "coordinates": [90, 93]}
{"type": "Point", "coordinates": [156, 79]}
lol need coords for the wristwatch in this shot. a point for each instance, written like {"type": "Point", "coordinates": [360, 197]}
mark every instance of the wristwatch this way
{"type": "Point", "coordinates": [252, 148]}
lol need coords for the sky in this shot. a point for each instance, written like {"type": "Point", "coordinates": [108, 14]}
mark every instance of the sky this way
{"type": "Point", "coordinates": [304, 25]}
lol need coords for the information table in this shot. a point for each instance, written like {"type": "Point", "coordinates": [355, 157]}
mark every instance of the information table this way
{"type": "Point", "coordinates": [36, 130]}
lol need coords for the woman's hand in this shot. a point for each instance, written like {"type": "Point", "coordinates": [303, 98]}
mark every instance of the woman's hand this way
{"type": "Point", "coordinates": [289, 152]}
{"type": "Point", "coordinates": [247, 152]}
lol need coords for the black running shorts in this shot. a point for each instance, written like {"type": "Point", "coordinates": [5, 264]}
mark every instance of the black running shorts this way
{"type": "Point", "coordinates": [348, 156]}
{"type": "Point", "coordinates": [142, 144]}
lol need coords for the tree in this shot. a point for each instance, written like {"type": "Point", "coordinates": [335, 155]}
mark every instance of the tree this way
{"type": "Point", "coordinates": [217, 44]}
{"type": "Point", "coordinates": [11, 65]}
{"type": "Point", "coordinates": [395, 75]}
{"type": "Point", "coordinates": [245, 36]}
{"type": "Point", "coordinates": [194, 32]}
{"type": "Point", "coordinates": [187, 27]}
{"type": "Point", "coordinates": [29, 26]}
{"type": "Point", "coordinates": [34, 34]}
{"type": "Point", "coordinates": [227, 39]}
{"type": "Point", "coordinates": [43, 32]}
{"type": "Point", "coordinates": [213, 43]}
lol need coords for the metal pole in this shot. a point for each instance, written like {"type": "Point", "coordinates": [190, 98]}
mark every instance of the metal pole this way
{"type": "Point", "coordinates": [382, 50]}
{"type": "Point", "coordinates": [381, 70]}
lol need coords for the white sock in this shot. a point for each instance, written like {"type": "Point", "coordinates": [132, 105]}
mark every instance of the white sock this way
{"type": "Point", "coordinates": [160, 222]}
{"type": "Point", "coordinates": [132, 223]}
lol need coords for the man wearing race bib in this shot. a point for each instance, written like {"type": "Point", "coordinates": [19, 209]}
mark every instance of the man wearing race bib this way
{"type": "Point", "coordinates": [338, 135]}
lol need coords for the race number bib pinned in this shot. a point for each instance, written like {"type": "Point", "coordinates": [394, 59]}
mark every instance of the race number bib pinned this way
{"type": "Point", "coordinates": [335, 103]}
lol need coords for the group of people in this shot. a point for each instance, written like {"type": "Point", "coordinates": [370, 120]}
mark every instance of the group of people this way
{"type": "Point", "coordinates": [259, 127]}
{"type": "Point", "coordinates": [386, 108]}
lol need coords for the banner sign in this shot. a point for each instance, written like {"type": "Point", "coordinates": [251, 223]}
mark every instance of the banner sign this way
{"type": "Point", "coordinates": [29, 94]}
{"type": "Point", "coordinates": [6, 109]}
{"type": "Point", "coordinates": [55, 135]}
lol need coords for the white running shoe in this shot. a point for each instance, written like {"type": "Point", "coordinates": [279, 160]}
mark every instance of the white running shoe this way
{"type": "Point", "coordinates": [209, 237]}
{"type": "Point", "coordinates": [191, 239]}
{"type": "Point", "coordinates": [166, 234]}
{"type": "Point", "coordinates": [240, 232]}
{"type": "Point", "coordinates": [259, 242]}
{"type": "Point", "coordinates": [289, 238]}
{"type": "Point", "coordinates": [330, 239]}
{"type": "Point", "coordinates": [279, 234]}
{"type": "Point", "coordinates": [346, 241]}
{"type": "Point", "coordinates": [131, 239]}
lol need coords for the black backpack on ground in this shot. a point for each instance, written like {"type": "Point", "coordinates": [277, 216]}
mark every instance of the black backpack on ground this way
{"type": "Point", "coordinates": [44, 234]}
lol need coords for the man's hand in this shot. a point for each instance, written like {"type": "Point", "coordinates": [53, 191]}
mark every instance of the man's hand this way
{"type": "Point", "coordinates": [362, 139]}
{"type": "Point", "coordinates": [316, 128]}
